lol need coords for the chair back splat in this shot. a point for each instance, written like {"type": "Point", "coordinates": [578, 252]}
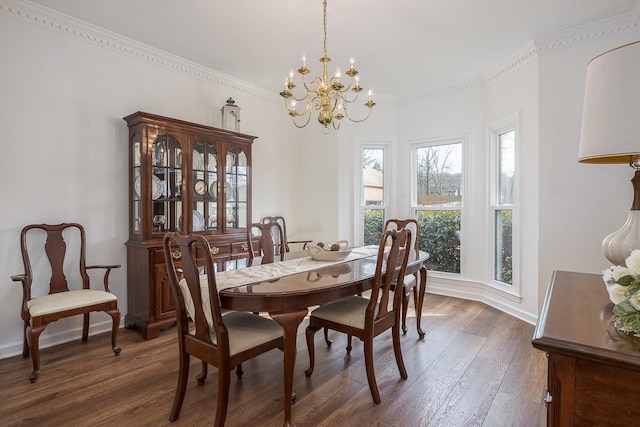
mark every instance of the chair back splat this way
{"type": "Point", "coordinates": [408, 282]}
{"type": "Point", "coordinates": [269, 247]}
{"type": "Point", "coordinates": [284, 240]}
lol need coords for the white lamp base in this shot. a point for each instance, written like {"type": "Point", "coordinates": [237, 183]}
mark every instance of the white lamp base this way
{"type": "Point", "coordinates": [618, 245]}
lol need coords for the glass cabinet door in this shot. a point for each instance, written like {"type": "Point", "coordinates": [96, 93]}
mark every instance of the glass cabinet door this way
{"type": "Point", "coordinates": [166, 184]}
{"type": "Point", "coordinates": [204, 187]}
{"type": "Point", "coordinates": [136, 208]}
{"type": "Point", "coordinates": [235, 188]}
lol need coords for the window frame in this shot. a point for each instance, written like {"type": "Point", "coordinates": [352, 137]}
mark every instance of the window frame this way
{"type": "Point", "coordinates": [359, 206]}
{"type": "Point", "coordinates": [416, 144]}
{"type": "Point", "coordinates": [494, 130]}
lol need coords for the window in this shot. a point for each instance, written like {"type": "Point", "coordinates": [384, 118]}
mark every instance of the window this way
{"type": "Point", "coordinates": [372, 203]}
{"type": "Point", "coordinates": [503, 196]}
{"type": "Point", "coordinates": [438, 201]}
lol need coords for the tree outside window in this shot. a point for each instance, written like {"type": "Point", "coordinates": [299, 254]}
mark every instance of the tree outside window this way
{"type": "Point", "coordinates": [373, 194]}
{"type": "Point", "coordinates": [438, 199]}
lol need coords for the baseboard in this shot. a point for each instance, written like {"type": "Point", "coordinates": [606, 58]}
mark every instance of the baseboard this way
{"type": "Point", "coordinates": [480, 292]}
{"type": "Point", "coordinates": [57, 338]}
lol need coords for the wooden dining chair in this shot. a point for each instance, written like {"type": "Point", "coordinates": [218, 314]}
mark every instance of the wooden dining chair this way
{"type": "Point", "coordinates": [222, 341]}
{"type": "Point", "coordinates": [285, 242]}
{"type": "Point", "coordinates": [366, 318]}
{"type": "Point", "coordinates": [410, 281]}
{"type": "Point", "coordinates": [269, 248]}
{"type": "Point", "coordinates": [66, 291]}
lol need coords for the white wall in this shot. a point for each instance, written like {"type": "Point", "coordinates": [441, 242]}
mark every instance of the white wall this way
{"type": "Point", "coordinates": [64, 143]}
{"type": "Point", "coordinates": [579, 203]}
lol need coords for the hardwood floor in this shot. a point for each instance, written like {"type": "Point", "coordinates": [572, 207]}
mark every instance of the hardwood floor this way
{"type": "Point", "coordinates": [475, 367]}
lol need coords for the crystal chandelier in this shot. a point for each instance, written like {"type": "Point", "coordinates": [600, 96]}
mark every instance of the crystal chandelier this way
{"type": "Point", "coordinates": [329, 96]}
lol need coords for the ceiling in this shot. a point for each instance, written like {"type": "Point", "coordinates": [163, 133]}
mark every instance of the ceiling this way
{"type": "Point", "coordinates": [399, 46]}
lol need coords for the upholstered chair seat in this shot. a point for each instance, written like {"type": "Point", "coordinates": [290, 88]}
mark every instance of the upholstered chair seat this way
{"type": "Point", "coordinates": [55, 303]}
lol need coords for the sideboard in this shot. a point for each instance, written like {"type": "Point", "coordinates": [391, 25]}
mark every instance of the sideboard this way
{"type": "Point", "coordinates": [593, 374]}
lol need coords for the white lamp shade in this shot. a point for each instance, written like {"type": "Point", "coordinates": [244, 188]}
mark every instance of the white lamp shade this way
{"type": "Point", "coordinates": [611, 115]}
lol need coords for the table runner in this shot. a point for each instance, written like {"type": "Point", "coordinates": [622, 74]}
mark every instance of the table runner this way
{"type": "Point", "coordinates": [259, 273]}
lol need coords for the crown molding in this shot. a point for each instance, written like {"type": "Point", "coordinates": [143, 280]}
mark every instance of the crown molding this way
{"type": "Point", "coordinates": [519, 57]}
{"type": "Point", "coordinates": [540, 45]}
{"type": "Point", "coordinates": [64, 24]}
{"type": "Point", "coordinates": [460, 86]}
{"type": "Point", "coordinates": [585, 33]}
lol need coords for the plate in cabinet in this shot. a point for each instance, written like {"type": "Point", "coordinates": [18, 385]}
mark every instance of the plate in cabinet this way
{"type": "Point", "coordinates": [198, 221]}
{"type": "Point", "coordinates": [156, 187]}
{"type": "Point", "coordinates": [198, 161]}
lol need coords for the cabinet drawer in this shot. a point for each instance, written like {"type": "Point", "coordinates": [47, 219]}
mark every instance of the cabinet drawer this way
{"type": "Point", "coordinates": [239, 248]}
{"type": "Point", "coordinates": [220, 249]}
{"type": "Point", "coordinates": [217, 251]}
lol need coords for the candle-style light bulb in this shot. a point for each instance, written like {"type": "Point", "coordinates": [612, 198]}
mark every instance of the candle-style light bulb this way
{"type": "Point", "coordinates": [369, 94]}
{"type": "Point", "coordinates": [338, 73]}
{"type": "Point", "coordinates": [351, 64]}
{"type": "Point", "coordinates": [304, 61]}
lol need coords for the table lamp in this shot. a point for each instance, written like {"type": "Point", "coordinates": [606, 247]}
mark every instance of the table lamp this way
{"type": "Point", "coordinates": [611, 132]}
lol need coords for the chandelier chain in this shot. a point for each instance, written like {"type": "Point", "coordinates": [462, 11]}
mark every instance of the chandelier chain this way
{"type": "Point", "coordinates": [324, 22]}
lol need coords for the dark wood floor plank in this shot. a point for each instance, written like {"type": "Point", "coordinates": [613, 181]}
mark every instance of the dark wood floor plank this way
{"type": "Point", "coordinates": [470, 399]}
{"type": "Point", "coordinates": [486, 322]}
{"type": "Point", "coordinates": [453, 318]}
{"type": "Point", "coordinates": [508, 331]}
{"type": "Point", "coordinates": [508, 410]}
{"type": "Point", "coordinates": [476, 366]}
{"type": "Point", "coordinates": [428, 392]}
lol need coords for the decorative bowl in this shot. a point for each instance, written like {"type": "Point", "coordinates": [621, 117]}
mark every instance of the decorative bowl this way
{"type": "Point", "coordinates": [318, 253]}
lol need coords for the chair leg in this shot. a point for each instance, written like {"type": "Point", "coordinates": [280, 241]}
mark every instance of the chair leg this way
{"type": "Point", "coordinates": [310, 333]}
{"type": "Point", "coordinates": [203, 374]}
{"type": "Point", "coordinates": [33, 336]}
{"type": "Point", "coordinates": [326, 337]}
{"type": "Point", "coordinates": [371, 376]}
{"type": "Point", "coordinates": [85, 327]}
{"type": "Point", "coordinates": [224, 380]}
{"type": "Point", "coordinates": [397, 350]}
{"type": "Point", "coordinates": [25, 342]}
{"type": "Point", "coordinates": [349, 339]}
{"type": "Point", "coordinates": [405, 307]}
{"type": "Point", "coordinates": [418, 311]}
{"type": "Point", "coordinates": [115, 317]}
{"type": "Point", "coordinates": [239, 371]}
{"type": "Point", "coordinates": [181, 388]}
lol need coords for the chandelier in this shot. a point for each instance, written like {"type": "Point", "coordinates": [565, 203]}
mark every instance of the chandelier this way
{"type": "Point", "coordinates": [329, 96]}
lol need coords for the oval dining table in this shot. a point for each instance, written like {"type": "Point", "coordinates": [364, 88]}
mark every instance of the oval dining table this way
{"type": "Point", "coordinates": [287, 300]}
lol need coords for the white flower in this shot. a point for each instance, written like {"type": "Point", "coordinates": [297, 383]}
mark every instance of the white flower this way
{"type": "Point", "coordinates": [633, 261]}
{"type": "Point", "coordinates": [618, 293]}
{"type": "Point", "coordinates": [635, 301]}
{"type": "Point", "coordinates": [618, 272]}
{"type": "Point", "coordinates": [611, 276]}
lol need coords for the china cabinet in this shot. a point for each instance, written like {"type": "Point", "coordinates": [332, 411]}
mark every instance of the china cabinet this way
{"type": "Point", "coordinates": [183, 177]}
{"type": "Point", "coordinates": [593, 370]}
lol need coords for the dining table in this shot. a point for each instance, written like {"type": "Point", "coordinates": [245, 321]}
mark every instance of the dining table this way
{"type": "Point", "coordinates": [287, 289]}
